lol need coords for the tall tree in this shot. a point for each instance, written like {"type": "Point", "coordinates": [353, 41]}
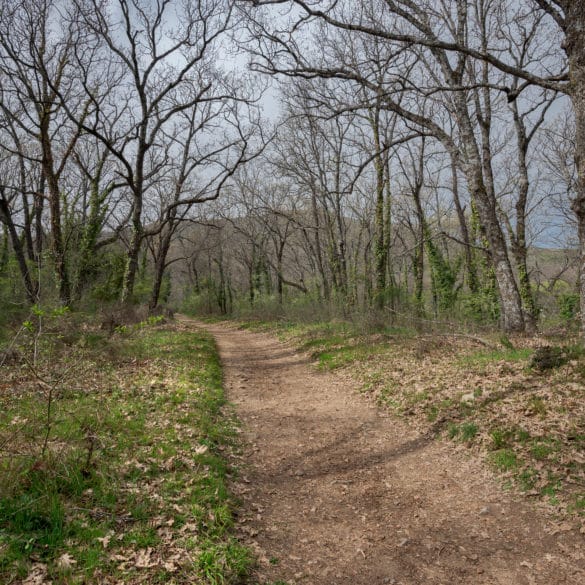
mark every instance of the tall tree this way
{"type": "Point", "coordinates": [160, 61]}
{"type": "Point", "coordinates": [36, 68]}
{"type": "Point", "coordinates": [560, 67]}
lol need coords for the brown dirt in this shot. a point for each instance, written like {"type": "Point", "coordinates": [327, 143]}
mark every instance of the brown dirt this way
{"type": "Point", "coordinates": [336, 491]}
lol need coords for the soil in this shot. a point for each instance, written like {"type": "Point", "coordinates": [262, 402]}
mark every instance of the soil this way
{"type": "Point", "coordinates": [336, 491]}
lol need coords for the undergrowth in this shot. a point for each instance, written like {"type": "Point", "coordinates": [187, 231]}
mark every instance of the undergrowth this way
{"type": "Point", "coordinates": [132, 486]}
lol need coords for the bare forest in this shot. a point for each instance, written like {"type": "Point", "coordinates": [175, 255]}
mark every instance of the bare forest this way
{"type": "Point", "coordinates": [420, 160]}
{"type": "Point", "coordinates": [292, 292]}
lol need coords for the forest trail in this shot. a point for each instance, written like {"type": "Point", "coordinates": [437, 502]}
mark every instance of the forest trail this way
{"type": "Point", "coordinates": [335, 491]}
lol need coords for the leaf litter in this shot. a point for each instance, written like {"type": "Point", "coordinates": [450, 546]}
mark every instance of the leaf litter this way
{"type": "Point", "coordinates": [358, 491]}
{"type": "Point", "coordinates": [147, 412]}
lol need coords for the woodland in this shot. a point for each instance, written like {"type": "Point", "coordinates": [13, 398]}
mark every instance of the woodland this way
{"type": "Point", "coordinates": [418, 160]}
{"type": "Point", "coordinates": [394, 188]}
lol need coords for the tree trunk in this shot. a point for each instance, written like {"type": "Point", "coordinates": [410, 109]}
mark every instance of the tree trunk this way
{"type": "Point", "coordinates": [57, 243]}
{"type": "Point", "coordinates": [134, 248]}
{"type": "Point", "coordinates": [575, 48]}
{"type": "Point", "coordinates": [30, 286]}
{"type": "Point", "coordinates": [27, 213]}
{"type": "Point", "coordinates": [470, 263]}
{"type": "Point", "coordinates": [279, 277]}
{"type": "Point", "coordinates": [319, 247]}
{"type": "Point", "coordinates": [137, 204]}
{"type": "Point", "coordinates": [5, 254]}
{"type": "Point", "coordinates": [38, 206]}
{"type": "Point", "coordinates": [419, 255]}
{"type": "Point", "coordinates": [518, 238]}
{"type": "Point", "coordinates": [512, 318]}
{"type": "Point", "coordinates": [156, 285]}
{"type": "Point", "coordinates": [380, 248]}
{"type": "Point", "coordinates": [92, 226]}
{"type": "Point", "coordinates": [160, 266]}
{"type": "Point", "coordinates": [161, 258]}
{"type": "Point", "coordinates": [132, 262]}
{"type": "Point", "coordinates": [390, 279]}
{"type": "Point", "coordinates": [251, 283]}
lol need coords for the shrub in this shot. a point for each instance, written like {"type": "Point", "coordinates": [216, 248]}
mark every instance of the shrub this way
{"type": "Point", "coordinates": [568, 306]}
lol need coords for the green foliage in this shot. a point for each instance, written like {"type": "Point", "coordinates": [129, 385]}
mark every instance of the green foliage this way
{"type": "Point", "coordinates": [481, 304]}
{"type": "Point", "coordinates": [121, 457]}
{"type": "Point", "coordinates": [527, 479]}
{"type": "Point", "coordinates": [13, 308]}
{"type": "Point", "coordinates": [391, 296]}
{"type": "Point", "coordinates": [484, 357]}
{"type": "Point", "coordinates": [225, 562]}
{"type": "Point", "coordinates": [443, 274]}
{"type": "Point", "coordinates": [212, 298]}
{"type": "Point", "coordinates": [505, 459]}
{"type": "Point", "coordinates": [481, 307]}
{"type": "Point", "coordinates": [465, 432]}
{"type": "Point", "coordinates": [568, 306]}
{"type": "Point", "coordinates": [501, 438]}
{"type": "Point", "coordinates": [111, 271]}
{"type": "Point", "coordinates": [505, 341]}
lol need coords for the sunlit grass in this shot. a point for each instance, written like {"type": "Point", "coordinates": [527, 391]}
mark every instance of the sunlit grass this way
{"type": "Point", "coordinates": [136, 464]}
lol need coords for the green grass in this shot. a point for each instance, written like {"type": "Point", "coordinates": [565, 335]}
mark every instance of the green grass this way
{"type": "Point", "coordinates": [578, 505]}
{"type": "Point", "coordinates": [527, 479]}
{"type": "Point", "coordinates": [345, 355]}
{"type": "Point", "coordinates": [543, 447]}
{"type": "Point", "coordinates": [537, 406]}
{"type": "Point", "coordinates": [465, 432]}
{"type": "Point", "coordinates": [501, 438]}
{"type": "Point", "coordinates": [551, 489]}
{"type": "Point", "coordinates": [504, 459]}
{"type": "Point", "coordinates": [332, 344]}
{"type": "Point", "coordinates": [223, 562]}
{"type": "Point", "coordinates": [135, 460]}
{"type": "Point", "coordinates": [483, 358]}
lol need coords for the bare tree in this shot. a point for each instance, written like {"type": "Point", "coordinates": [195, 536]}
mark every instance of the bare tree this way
{"type": "Point", "coordinates": [36, 66]}
{"type": "Point", "coordinates": [560, 67]}
{"type": "Point", "coordinates": [159, 61]}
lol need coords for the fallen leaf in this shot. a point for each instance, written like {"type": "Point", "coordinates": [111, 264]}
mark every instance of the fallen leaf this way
{"type": "Point", "coordinates": [66, 561]}
{"type": "Point", "coordinates": [105, 540]}
{"type": "Point", "coordinates": [37, 575]}
{"type": "Point", "coordinates": [143, 559]}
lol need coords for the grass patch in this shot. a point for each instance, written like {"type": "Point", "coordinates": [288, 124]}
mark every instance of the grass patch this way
{"type": "Point", "coordinates": [224, 562]}
{"type": "Point", "coordinates": [501, 438]}
{"type": "Point", "coordinates": [578, 505]}
{"type": "Point", "coordinates": [504, 459]}
{"type": "Point", "coordinates": [551, 489]}
{"type": "Point", "coordinates": [465, 432]}
{"type": "Point", "coordinates": [345, 355]}
{"type": "Point", "coordinates": [132, 484]}
{"type": "Point", "coordinates": [482, 358]}
{"type": "Point", "coordinates": [527, 479]}
{"type": "Point", "coordinates": [543, 447]}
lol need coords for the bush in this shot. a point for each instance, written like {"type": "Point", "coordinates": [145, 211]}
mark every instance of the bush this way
{"type": "Point", "coordinates": [568, 306]}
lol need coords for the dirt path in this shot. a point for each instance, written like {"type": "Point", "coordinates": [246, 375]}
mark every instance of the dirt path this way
{"type": "Point", "coordinates": [337, 492]}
